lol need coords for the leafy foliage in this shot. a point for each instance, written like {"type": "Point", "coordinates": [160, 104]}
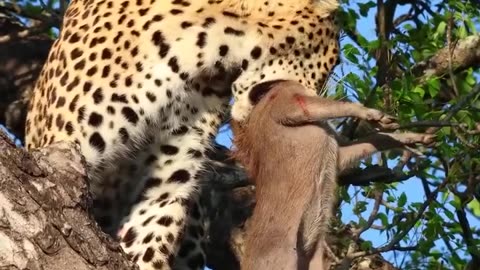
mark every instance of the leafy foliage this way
{"type": "Point", "coordinates": [438, 229]}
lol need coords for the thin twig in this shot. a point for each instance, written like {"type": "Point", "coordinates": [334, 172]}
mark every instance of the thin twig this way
{"type": "Point", "coordinates": [450, 114]}
{"type": "Point", "coordinates": [373, 215]}
{"type": "Point", "coordinates": [394, 244]}
{"type": "Point", "coordinates": [430, 123]}
{"type": "Point", "coordinates": [461, 104]}
{"type": "Point", "coordinates": [475, 131]}
{"type": "Point", "coordinates": [468, 237]}
{"type": "Point", "coordinates": [405, 17]}
{"type": "Point", "coordinates": [419, 215]}
{"type": "Point", "coordinates": [464, 140]}
{"type": "Point", "coordinates": [380, 250]}
{"type": "Point", "coordinates": [450, 53]}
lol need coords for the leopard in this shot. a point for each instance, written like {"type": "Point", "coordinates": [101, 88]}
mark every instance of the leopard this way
{"type": "Point", "coordinates": [142, 86]}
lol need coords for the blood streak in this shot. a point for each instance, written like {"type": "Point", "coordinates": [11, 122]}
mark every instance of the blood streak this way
{"type": "Point", "coordinates": [300, 100]}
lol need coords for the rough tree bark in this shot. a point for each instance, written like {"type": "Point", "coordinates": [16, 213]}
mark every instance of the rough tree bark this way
{"type": "Point", "coordinates": [43, 213]}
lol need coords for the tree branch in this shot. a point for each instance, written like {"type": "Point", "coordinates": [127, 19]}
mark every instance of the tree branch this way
{"type": "Point", "coordinates": [44, 222]}
{"type": "Point", "coordinates": [465, 54]}
{"type": "Point", "coordinates": [25, 33]}
{"type": "Point", "coordinates": [373, 215]}
{"type": "Point", "coordinates": [394, 243]}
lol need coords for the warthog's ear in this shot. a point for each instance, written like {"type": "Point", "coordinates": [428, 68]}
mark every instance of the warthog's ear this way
{"type": "Point", "coordinates": [260, 90]}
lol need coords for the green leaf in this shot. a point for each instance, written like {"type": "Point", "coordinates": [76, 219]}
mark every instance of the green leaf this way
{"type": "Point", "coordinates": [449, 214]}
{"type": "Point", "coordinates": [474, 206]}
{"type": "Point", "coordinates": [418, 90]}
{"type": "Point", "coordinates": [470, 80]}
{"type": "Point", "coordinates": [471, 26]}
{"type": "Point", "coordinates": [402, 200]}
{"type": "Point", "coordinates": [350, 52]}
{"type": "Point", "coordinates": [457, 203]}
{"type": "Point", "coordinates": [345, 195]}
{"type": "Point", "coordinates": [462, 32]}
{"type": "Point", "coordinates": [366, 245]}
{"type": "Point", "coordinates": [383, 218]}
{"type": "Point", "coordinates": [433, 86]}
{"type": "Point", "coordinates": [32, 9]}
{"type": "Point", "coordinates": [365, 7]}
{"type": "Point", "coordinates": [360, 207]}
{"type": "Point", "coordinates": [440, 31]}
